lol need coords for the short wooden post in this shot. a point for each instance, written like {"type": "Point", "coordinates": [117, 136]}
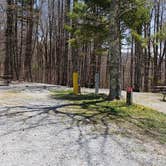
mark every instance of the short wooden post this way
{"type": "Point", "coordinates": [96, 83]}
{"type": "Point", "coordinates": [129, 96]}
{"type": "Point", "coordinates": [75, 83]}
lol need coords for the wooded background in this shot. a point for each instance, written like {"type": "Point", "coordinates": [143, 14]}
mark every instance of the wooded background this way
{"type": "Point", "coordinates": [41, 41]}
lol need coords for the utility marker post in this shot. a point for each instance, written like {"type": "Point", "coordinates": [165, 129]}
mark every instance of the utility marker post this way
{"type": "Point", "coordinates": [75, 83]}
{"type": "Point", "coordinates": [97, 83]}
{"type": "Point", "coordinates": [129, 96]}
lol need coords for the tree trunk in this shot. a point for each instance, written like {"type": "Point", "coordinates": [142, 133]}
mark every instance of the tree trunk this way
{"type": "Point", "coordinates": [9, 39]}
{"type": "Point", "coordinates": [138, 63]}
{"type": "Point", "coordinates": [29, 36]}
{"type": "Point", "coordinates": [114, 53]}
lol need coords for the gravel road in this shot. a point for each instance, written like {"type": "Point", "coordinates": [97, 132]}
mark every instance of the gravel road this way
{"type": "Point", "coordinates": [34, 131]}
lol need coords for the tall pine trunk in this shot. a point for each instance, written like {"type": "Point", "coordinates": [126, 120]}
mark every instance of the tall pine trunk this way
{"type": "Point", "coordinates": [114, 53]}
{"type": "Point", "coordinates": [138, 63]}
{"type": "Point", "coordinates": [29, 36]}
{"type": "Point", "coordinates": [9, 39]}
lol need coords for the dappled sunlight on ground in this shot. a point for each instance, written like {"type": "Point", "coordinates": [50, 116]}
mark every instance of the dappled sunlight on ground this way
{"type": "Point", "coordinates": [36, 129]}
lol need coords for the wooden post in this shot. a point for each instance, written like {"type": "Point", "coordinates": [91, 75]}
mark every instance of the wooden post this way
{"type": "Point", "coordinates": [96, 83]}
{"type": "Point", "coordinates": [129, 96]}
{"type": "Point", "coordinates": [75, 83]}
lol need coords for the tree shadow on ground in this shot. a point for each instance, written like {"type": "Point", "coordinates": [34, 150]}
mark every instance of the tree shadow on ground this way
{"type": "Point", "coordinates": [141, 119]}
{"type": "Point", "coordinates": [74, 120]}
{"type": "Point", "coordinates": [88, 110]}
{"type": "Point", "coordinates": [70, 96]}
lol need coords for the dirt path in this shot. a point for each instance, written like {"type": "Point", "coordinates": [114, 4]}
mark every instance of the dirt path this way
{"type": "Point", "coordinates": [34, 131]}
{"type": "Point", "coordinates": [152, 100]}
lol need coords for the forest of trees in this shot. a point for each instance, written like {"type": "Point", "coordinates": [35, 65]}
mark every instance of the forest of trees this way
{"type": "Point", "coordinates": [122, 40]}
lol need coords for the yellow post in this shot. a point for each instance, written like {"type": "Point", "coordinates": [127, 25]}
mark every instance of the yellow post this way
{"type": "Point", "coordinates": [75, 83]}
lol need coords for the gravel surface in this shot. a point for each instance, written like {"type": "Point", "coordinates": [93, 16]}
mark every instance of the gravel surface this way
{"type": "Point", "coordinates": [34, 131]}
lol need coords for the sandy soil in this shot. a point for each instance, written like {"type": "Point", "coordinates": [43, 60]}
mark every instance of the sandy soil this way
{"type": "Point", "coordinates": [34, 131]}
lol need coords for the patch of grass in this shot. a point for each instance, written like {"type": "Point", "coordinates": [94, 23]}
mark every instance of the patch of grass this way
{"type": "Point", "coordinates": [150, 121]}
{"type": "Point", "coordinates": [99, 110]}
{"type": "Point", "coordinates": [69, 95]}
